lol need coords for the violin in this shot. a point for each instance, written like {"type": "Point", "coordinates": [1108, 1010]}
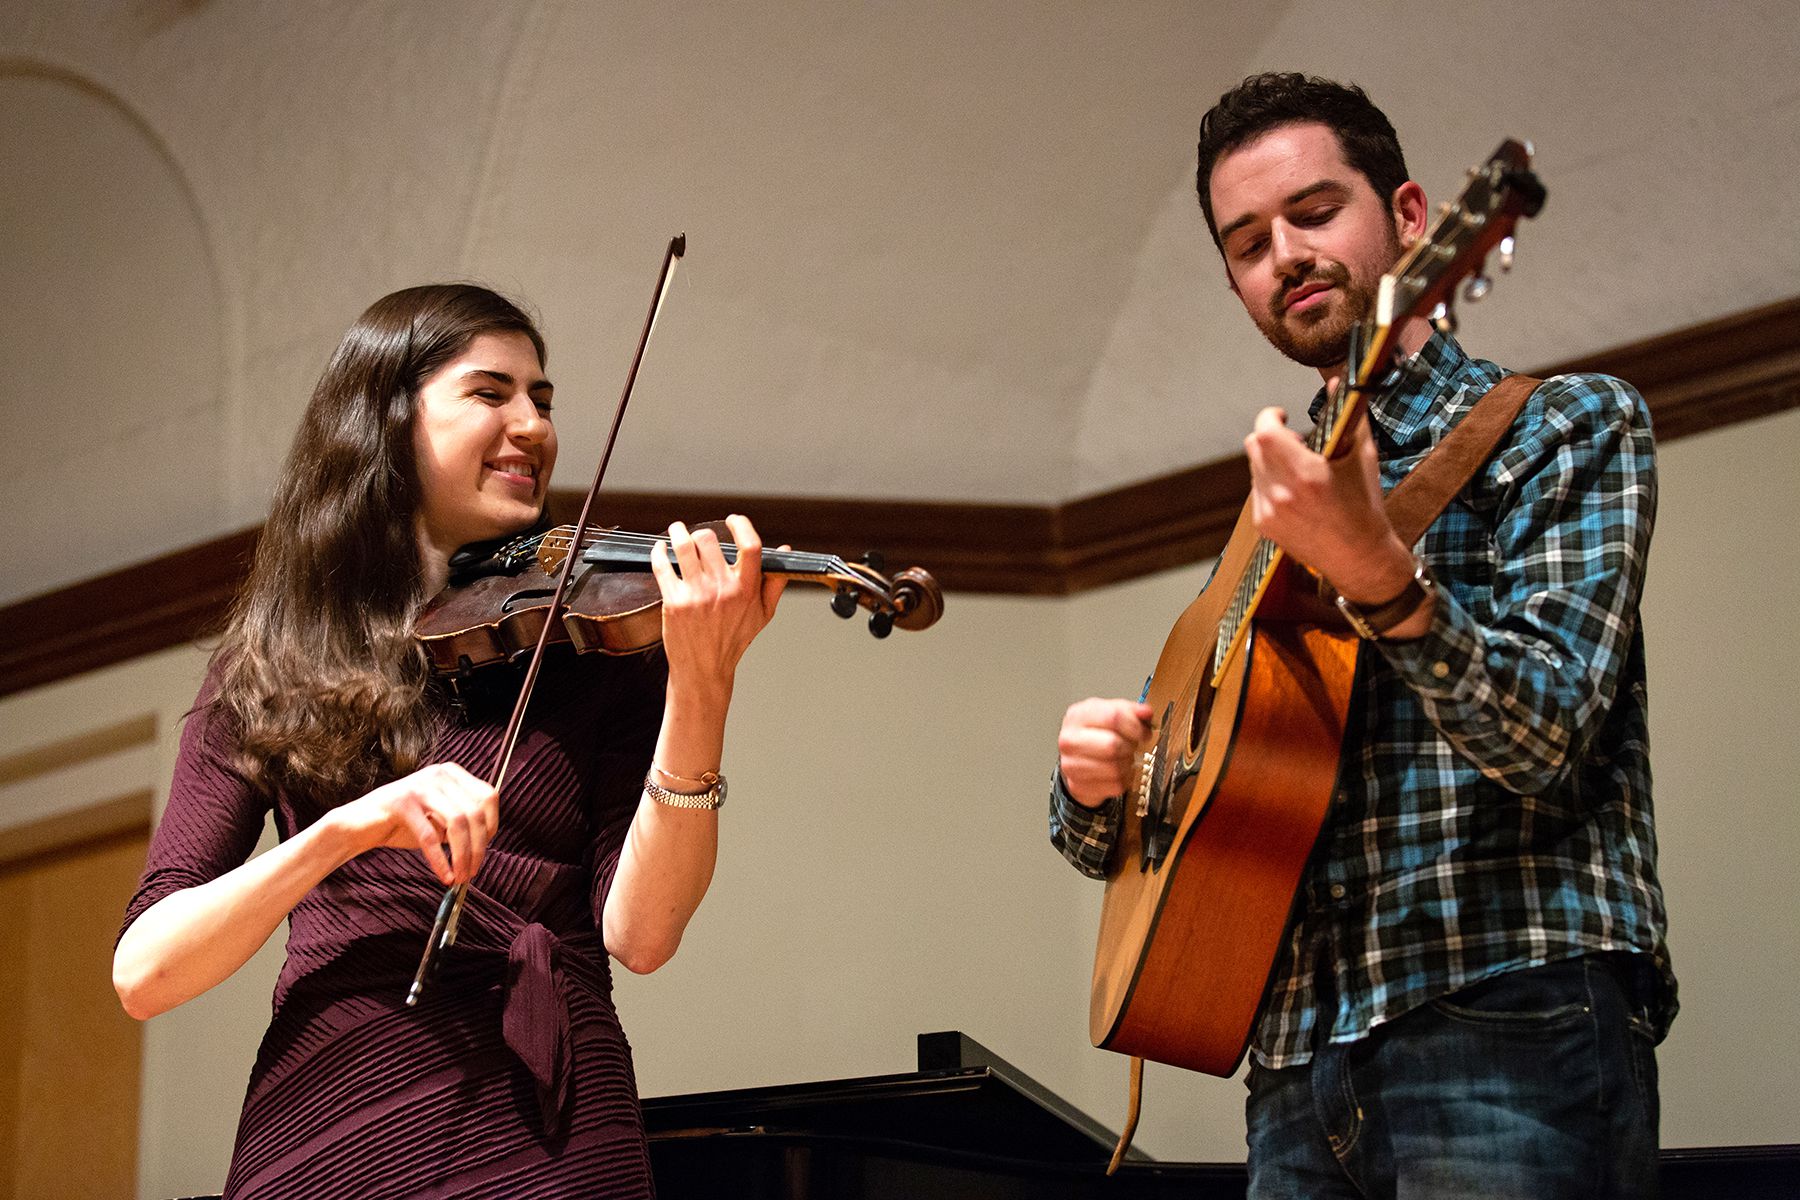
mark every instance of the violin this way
{"type": "Point", "coordinates": [495, 609]}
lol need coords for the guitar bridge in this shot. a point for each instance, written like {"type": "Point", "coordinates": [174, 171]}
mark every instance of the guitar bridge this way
{"type": "Point", "coordinates": [1156, 830]}
{"type": "Point", "coordinates": [1146, 777]}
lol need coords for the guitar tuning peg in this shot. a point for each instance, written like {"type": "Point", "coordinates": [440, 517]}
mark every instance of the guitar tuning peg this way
{"type": "Point", "coordinates": [1506, 252]}
{"type": "Point", "coordinates": [843, 603]}
{"type": "Point", "coordinates": [1477, 288]}
{"type": "Point", "coordinates": [1443, 317]}
{"type": "Point", "coordinates": [881, 623]}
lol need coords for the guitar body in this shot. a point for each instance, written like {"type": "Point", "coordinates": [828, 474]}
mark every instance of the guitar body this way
{"type": "Point", "coordinates": [1237, 790]}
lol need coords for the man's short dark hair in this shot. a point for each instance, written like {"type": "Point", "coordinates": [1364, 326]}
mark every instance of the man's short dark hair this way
{"type": "Point", "coordinates": [1264, 102]}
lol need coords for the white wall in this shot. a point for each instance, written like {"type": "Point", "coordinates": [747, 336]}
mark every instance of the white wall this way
{"type": "Point", "coordinates": [1718, 619]}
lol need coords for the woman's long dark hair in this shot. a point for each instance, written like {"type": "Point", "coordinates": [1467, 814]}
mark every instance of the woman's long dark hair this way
{"type": "Point", "coordinates": [319, 674]}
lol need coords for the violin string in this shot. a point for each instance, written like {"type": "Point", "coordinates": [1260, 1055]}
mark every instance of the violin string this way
{"type": "Point", "coordinates": [830, 565]}
{"type": "Point", "coordinates": [825, 563]}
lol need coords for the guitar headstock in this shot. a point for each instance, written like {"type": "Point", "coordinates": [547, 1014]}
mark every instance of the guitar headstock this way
{"type": "Point", "coordinates": [1467, 229]}
{"type": "Point", "coordinates": [1423, 282]}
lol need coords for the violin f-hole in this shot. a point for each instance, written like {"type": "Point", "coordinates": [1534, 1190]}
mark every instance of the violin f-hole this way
{"type": "Point", "coordinates": [524, 595]}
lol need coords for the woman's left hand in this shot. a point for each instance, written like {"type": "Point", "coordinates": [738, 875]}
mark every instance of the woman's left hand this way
{"type": "Point", "coordinates": [713, 609]}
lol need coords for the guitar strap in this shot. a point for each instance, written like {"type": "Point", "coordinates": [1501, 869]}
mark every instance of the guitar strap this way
{"type": "Point", "coordinates": [1429, 487]}
{"type": "Point", "coordinates": [1412, 505]}
{"type": "Point", "coordinates": [1415, 502]}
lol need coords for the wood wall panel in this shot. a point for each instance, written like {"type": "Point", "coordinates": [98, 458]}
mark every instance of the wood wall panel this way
{"type": "Point", "coordinates": [70, 1059]}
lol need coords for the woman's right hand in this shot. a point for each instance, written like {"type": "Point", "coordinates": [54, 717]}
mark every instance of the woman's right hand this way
{"type": "Point", "coordinates": [435, 808]}
{"type": "Point", "coordinates": [195, 937]}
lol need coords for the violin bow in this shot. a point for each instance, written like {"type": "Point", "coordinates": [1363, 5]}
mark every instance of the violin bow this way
{"type": "Point", "coordinates": [449, 912]}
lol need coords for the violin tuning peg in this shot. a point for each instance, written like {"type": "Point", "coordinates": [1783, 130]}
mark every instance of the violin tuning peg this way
{"type": "Point", "coordinates": [843, 603]}
{"type": "Point", "coordinates": [876, 561]}
{"type": "Point", "coordinates": [881, 623]}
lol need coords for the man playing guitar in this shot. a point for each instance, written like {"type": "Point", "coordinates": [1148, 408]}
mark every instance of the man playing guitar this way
{"type": "Point", "coordinates": [1475, 973]}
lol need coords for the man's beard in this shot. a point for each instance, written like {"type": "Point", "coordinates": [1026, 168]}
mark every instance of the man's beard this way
{"type": "Point", "coordinates": [1323, 340]}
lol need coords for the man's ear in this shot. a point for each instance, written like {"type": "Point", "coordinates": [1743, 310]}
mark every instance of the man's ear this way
{"type": "Point", "coordinates": [1410, 211]}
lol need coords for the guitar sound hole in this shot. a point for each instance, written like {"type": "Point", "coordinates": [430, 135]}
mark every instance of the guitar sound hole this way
{"type": "Point", "coordinates": [1203, 705]}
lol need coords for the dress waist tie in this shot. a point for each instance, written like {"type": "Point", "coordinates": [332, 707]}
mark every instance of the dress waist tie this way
{"type": "Point", "coordinates": [535, 1018]}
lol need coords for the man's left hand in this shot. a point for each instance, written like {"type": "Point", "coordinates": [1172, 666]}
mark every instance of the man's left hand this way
{"type": "Point", "coordinates": [1327, 512]}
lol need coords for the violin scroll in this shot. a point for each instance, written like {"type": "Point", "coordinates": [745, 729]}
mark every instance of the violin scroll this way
{"type": "Point", "coordinates": [911, 600]}
{"type": "Point", "coordinates": [918, 601]}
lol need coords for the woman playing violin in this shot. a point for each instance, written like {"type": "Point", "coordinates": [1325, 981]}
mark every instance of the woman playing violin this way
{"type": "Point", "coordinates": [431, 430]}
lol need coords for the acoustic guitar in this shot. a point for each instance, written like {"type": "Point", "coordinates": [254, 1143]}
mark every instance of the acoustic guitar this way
{"type": "Point", "coordinates": [1249, 698]}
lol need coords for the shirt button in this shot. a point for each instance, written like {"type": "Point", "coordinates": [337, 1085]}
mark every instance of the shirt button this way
{"type": "Point", "coordinates": [1440, 670]}
{"type": "Point", "coordinates": [1337, 891]}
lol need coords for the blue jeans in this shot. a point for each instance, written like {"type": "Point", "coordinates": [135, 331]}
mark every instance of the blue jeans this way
{"type": "Point", "coordinates": [1536, 1085]}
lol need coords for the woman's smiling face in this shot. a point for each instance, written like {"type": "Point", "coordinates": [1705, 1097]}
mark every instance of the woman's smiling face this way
{"type": "Point", "coordinates": [483, 443]}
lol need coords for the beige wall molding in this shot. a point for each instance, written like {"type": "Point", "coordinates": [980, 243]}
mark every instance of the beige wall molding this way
{"type": "Point", "coordinates": [103, 818]}
{"type": "Point", "coordinates": [81, 828]}
{"type": "Point", "coordinates": [67, 752]}
{"type": "Point", "coordinates": [1704, 377]}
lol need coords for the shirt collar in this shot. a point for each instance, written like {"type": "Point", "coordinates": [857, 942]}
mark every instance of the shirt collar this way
{"type": "Point", "coordinates": [1411, 388]}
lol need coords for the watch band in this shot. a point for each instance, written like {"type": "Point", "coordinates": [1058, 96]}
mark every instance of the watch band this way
{"type": "Point", "coordinates": [712, 797]}
{"type": "Point", "coordinates": [1371, 623]}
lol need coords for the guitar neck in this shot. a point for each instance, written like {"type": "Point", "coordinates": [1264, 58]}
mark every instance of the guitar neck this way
{"type": "Point", "coordinates": [1370, 349]}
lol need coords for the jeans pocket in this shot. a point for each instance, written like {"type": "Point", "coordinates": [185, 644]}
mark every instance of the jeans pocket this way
{"type": "Point", "coordinates": [1542, 998]}
{"type": "Point", "coordinates": [1640, 1046]}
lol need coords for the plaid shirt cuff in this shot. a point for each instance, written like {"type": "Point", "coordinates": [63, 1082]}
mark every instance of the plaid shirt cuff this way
{"type": "Point", "coordinates": [1080, 834]}
{"type": "Point", "coordinates": [1444, 664]}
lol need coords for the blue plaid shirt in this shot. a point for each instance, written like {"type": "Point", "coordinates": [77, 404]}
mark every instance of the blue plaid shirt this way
{"type": "Point", "coordinates": [1493, 802]}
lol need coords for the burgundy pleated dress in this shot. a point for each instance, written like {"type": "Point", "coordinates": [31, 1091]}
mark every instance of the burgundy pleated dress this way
{"type": "Point", "coordinates": [512, 1077]}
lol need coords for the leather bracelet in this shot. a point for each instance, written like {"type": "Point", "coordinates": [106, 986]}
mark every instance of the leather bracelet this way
{"type": "Point", "coordinates": [712, 798]}
{"type": "Point", "coordinates": [1371, 623]}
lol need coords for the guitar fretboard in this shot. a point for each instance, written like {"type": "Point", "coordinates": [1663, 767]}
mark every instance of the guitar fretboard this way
{"type": "Point", "coordinates": [1321, 439]}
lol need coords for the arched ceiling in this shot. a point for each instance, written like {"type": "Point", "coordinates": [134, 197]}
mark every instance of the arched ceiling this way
{"type": "Point", "coordinates": [938, 250]}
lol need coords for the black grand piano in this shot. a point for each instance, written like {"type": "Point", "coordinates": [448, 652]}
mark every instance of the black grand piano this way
{"type": "Point", "coordinates": [969, 1124]}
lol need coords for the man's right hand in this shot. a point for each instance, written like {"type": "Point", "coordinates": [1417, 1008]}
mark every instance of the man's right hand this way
{"type": "Point", "coordinates": [1098, 747]}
